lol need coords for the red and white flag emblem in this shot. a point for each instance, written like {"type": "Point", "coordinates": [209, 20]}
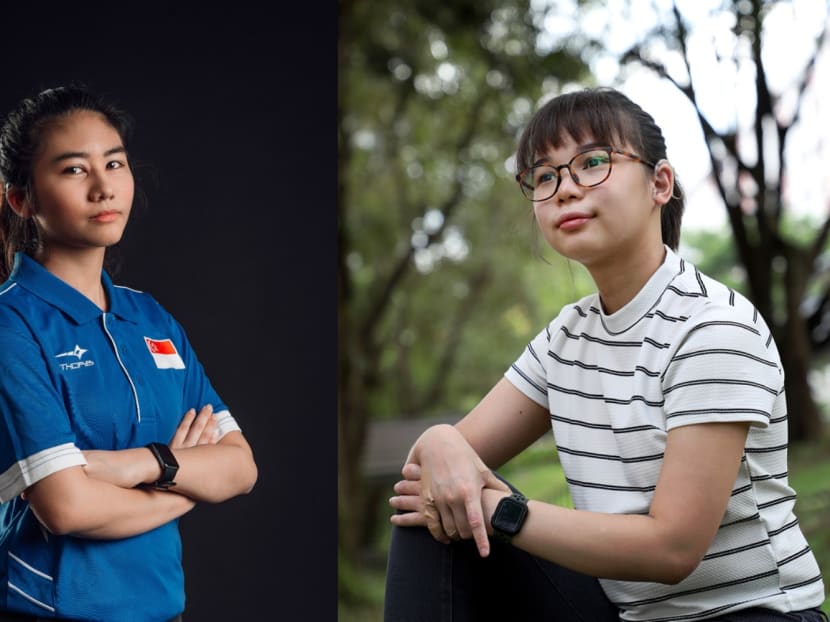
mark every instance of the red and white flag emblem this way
{"type": "Point", "coordinates": [164, 353]}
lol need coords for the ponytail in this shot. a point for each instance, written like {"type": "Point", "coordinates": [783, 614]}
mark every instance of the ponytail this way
{"type": "Point", "coordinates": [16, 234]}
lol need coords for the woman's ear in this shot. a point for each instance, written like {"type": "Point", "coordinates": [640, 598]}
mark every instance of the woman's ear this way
{"type": "Point", "coordinates": [18, 198]}
{"type": "Point", "coordinates": [663, 180]}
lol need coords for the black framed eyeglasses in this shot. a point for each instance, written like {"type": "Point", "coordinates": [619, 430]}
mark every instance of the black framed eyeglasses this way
{"type": "Point", "coordinates": [588, 168]}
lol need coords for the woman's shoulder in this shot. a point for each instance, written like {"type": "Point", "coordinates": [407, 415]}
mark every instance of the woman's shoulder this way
{"type": "Point", "coordinates": [704, 294]}
{"type": "Point", "coordinates": [20, 314]}
{"type": "Point", "coordinates": [705, 302]}
{"type": "Point", "coordinates": [571, 316]}
{"type": "Point", "coordinates": [14, 302]}
{"type": "Point", "coordinates": [138, 304]}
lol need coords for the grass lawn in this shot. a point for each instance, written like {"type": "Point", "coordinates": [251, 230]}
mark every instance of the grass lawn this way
{"type": "Point", "coordinates": [536, 473]}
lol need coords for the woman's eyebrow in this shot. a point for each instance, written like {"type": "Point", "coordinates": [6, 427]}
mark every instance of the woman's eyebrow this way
{"type": "Point", "coordinates": [84, 154]}
{"type": "Point", "coordinates": [579, 149]}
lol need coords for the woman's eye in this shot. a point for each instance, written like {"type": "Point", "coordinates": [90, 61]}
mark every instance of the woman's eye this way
{"type": "Point", "coordinates": [73, 170]}
{"type": "Point", "coordinates": [545, 177]}
{"type": "Point", "coordinates": [593, 161]}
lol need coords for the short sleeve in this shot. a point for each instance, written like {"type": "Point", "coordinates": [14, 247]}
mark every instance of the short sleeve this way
{"type": "Point", "coordinates": [198, 390]}
{"type": "Point", "coordinates": [528, 374]}
{"type": "Point", "coordinates": [36, 438]}
{"type": "Point", "coordinates": [723, 371]}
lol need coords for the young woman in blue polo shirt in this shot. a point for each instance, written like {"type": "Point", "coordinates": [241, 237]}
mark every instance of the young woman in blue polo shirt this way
{"type": "Point", "coordinates": [109, 428]}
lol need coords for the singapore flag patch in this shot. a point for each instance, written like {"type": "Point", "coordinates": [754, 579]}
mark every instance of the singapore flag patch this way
{"type": "Point", "coordinates": [164, 353]}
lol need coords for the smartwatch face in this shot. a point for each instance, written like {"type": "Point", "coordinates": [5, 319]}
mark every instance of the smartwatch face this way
{"type": "Point", "coordinates": [510, 515]}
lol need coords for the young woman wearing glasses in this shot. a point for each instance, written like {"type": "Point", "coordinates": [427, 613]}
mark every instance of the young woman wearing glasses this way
{"type": "Point", "coordinates": [666, 396]}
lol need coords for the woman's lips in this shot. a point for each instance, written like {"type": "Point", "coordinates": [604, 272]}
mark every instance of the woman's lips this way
{"type": "Point", "coordinates": [569, 222]}
{"type": "Point", "coordinates": [106, 216]}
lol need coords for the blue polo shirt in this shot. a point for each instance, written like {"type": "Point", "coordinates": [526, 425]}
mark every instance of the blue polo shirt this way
{"type": "Point", "coordinates": [73, 377]}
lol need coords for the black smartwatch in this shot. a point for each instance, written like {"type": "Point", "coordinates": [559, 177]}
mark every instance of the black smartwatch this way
{"type": "Point", "coordinates": [509, 517]}
{"type": "Point", "coordinates": [168, 464]}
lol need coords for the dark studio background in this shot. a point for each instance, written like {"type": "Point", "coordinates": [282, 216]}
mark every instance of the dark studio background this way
{"type": "Point", "coordinates": [234, 113]}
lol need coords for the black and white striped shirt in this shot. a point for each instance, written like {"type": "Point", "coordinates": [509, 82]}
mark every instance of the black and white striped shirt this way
{"type": "Point", "coordinates": [685, 350]}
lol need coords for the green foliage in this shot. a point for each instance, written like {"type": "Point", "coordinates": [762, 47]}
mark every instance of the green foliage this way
{"type": "Point", "coordinates": [536, 472]}
{"type": "Point", "coordinates": [809, 469]}
{"type": "Point", "coordinates": [358, 589]}
{"type": "Point", "coordinates": [432, 97]}
{"type": "Point", "coordinates": [714, 254]}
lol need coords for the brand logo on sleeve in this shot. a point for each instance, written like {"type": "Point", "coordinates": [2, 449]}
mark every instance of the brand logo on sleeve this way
{"type": "Point", "coordinates": [164, 353]}
{"type": "Point", "coordinates": [78, 353]}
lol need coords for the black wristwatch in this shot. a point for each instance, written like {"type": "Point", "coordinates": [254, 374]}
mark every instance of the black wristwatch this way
{"type": "Point", "coordinates": [509, 517]}
{"type": "Point", "coordinates": [167, 462]}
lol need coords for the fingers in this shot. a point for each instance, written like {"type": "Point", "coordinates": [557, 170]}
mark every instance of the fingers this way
{"type": "Point", "coordinates": [181, 431]}
{"type": "Point", "coordinates": [410, 519]}
{"type": "Point", "coordinates": [475, 519]}
{"type": "Point", "coordinates": [196, 429]}
{"type": "Point", "coordinates": [406, 487]}
{"type": "Point", "coordinates": [433, 520]}
{"type": "Point", "coordinates": [209, 427]}
{"type": "Point", "coordinates": [407, 503]}
{"type": "Point", "coordinates": [411, 471]}
{"type": "Point", "coordinates": [491, 481]}
{"type": "Point", "coordinates": [450, 523]}
{"type": "Point", "coordinates": [458, 516]}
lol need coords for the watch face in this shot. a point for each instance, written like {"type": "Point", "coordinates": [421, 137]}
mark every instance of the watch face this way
{"type": "Point", "coordinates": [509, 515]}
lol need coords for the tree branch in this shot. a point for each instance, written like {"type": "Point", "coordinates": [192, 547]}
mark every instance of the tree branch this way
{"type": "Point", "coordinates": [404, 262]}
{"type": "Point", "coordinates": [446, 360]}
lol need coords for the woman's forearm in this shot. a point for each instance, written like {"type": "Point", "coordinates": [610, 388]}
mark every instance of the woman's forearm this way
{"type": "Point", "coordinates": [214, 473]}
{"type": "Point", "coordinates": [613, 546]}
{"type": "Point", "coordinates": [209, 473]}
{"type": "Point", "coordinates": [71, 503]}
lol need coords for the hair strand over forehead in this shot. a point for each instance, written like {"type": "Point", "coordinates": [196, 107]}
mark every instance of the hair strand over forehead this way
{"type": "Point", "coordinates": [606, 116]}
{"type": "Point", "coordinates": [20, 138]}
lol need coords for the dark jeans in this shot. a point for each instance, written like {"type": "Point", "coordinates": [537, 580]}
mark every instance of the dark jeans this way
{"type": "Point", "coordinates": [427, 581]}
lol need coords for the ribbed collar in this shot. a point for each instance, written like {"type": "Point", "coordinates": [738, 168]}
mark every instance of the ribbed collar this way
{"type": "Point", "coordinates": [645, 299]}
{"type": "Point", "coordinates": [30, 275]}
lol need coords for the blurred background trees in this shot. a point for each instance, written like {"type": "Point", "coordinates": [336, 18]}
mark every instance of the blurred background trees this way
{"type": "Point", "coordinates": [433, 233]}
{"type": "Point", "coordinates": [441, 280]}
{"type": "Point", "coordinates": [784, 267]}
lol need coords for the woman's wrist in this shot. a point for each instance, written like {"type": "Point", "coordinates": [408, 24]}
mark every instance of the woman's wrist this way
{"type": "Point", "coordinates": [431, 438]}
{"type": "Point", "coordinates": [490, 498]}
{"type": "Point", "coordinates": [143, 466]}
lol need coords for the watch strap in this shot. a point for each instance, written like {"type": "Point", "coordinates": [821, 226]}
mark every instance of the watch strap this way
{"type": "Point", "coordinates": [167, 462]}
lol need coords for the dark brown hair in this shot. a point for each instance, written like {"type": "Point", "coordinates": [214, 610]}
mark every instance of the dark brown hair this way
{"type": "Point", "coordinates": [609, 117]}
{"type": "Point", "coordinates": [20, 138]}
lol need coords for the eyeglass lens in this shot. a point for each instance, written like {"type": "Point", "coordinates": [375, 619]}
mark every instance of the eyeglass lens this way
{"type": "Point", "coordinates": [589, 168]}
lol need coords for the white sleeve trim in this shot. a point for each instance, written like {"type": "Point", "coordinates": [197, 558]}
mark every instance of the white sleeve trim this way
{"type": "Point", "coordinates": [23, 473]}
{"type": "Point", "coordinates": [226, 423]}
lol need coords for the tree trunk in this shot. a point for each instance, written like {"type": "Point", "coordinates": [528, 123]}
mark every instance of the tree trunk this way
{"type": "Point", "coordinates": [352, 420]}
{"type": "Point", "coordinates": [803, 415]}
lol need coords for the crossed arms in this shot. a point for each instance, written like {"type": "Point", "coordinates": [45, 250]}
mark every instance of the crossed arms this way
{"type": "Point", "coordinates": [106, 498]}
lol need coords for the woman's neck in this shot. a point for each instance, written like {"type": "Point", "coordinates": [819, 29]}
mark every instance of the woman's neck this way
{"type": "Point", "coordinates": [79, 269]}
{"type": "Point", "coordinates": [619, 283]}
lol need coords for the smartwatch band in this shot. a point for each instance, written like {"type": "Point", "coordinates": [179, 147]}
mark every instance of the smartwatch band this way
{"type": "Point", "coordinates": [167, 462]}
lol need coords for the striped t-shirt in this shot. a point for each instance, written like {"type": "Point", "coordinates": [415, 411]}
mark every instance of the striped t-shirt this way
{"type": "Point", "coordinates": [685, 350]}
